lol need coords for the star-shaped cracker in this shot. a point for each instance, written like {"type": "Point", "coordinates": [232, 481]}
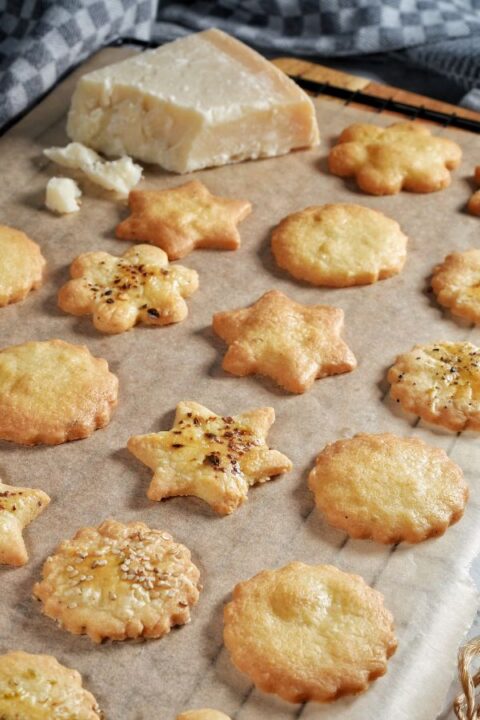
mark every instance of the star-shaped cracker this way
{"type": "Point", "coordinates": [139, 286]}
{"type": "Point", "coordinates": [181, 219]}
{"type": "Point", "coordinates": [293, 344]}
{"type": "Point", "coordinates": [18, 507]}
{"type": "Point", "coordinates": [474, 202]}
{"type": "Point", "coordinates": [402, 156]}
{"type": "Point", "coordinates": [211, 457]}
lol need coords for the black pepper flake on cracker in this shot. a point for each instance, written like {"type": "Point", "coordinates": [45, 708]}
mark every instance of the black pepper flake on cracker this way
{"type": "Point", "coordinates": [212, 459]}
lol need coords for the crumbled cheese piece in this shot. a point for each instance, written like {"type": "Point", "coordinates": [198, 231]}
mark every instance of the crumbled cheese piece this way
{"type": "Point", "coordinates": [202, 100]}
{"type": "Point", "coordinates": [118, 175]}
{"type": "Point", "coordinates": [62, 195]}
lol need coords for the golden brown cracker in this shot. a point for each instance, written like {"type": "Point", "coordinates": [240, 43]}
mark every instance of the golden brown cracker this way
{"type": "Point", "coordinates": [211, 457]}
{"type": "Point", "coordinates": [403, 156]}
{"type": "Point", "coordinates": [52, 392]}
{"type": "Point", "coordinates": [440, 383]}
{"type": "Point", "coordinates": [456, 283]}
{"type": "Point", "coordinates": [474, 202]}
{"type": "Point", "coordinates": [139, 286]}
{"type": "Point", "coordinates": [183, 218]}
{"type": "Point", "coordinates": [339, 245]}
{"type": "Point", "coordinates": [18, 507]}
{"type": "Point", "coordinates": [388, 488]}
{"type": "Point", "coordinates": [292, 343]}
{"type": "Point", "coordinates": [119, 581]}
{"type": "Point", "coordinates": [308, 632]}
{"type": "Point", "coordinates": [37, 687]}
{"type": "Point", "coordinates": [21, 265]}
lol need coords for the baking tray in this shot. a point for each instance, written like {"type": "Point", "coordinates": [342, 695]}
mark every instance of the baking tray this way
{"type": "Point", "coordinates": [427, 586]}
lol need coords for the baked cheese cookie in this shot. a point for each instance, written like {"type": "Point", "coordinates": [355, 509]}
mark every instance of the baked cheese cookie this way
{"type": "Point", "coordinates": [308, 632]}
{"type": "Point", "coordinates": [21, 265]}
{"type": "Point", "coordinates": [339, 245]}
{"type": "Point", "coordinates": [440, 383]}
{"type": "Point", "coordinates": [474, 202]}
{"type": "Point", "coordinates": [388, 488]}
{"type": "Point", "coordinates": [203, 714]}
{"type": "Point", "coordinates": [18, 507]}
{"type": "Point", "coordinates": [119, 581]}
{"type": "Point", "coordinates": [403, 156]}
{"type": "Point", "coordinates": [52, 392]}
{"type": "Point", "coordinates": [211, 457]}
{"type": "Point", "coordinates": [456, 283]}
{"type": "Point", "coordinates": [118, 292]}
{"type": "Point", "coordinates": [183, 218]}
{"type": "Point", "coordinates": [293, 344]}
{"type": "Point", "coordinates": [37, 687]}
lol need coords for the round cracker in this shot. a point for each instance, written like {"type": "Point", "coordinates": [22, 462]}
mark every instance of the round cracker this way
{"type": "Point", "coordinates": [308, 632]}
{"type": "Point", "coordinates": [119, 581]}
{"type": "Point", "coordinates": [43, 690]}
{"type": "Point", "coordinates": [21, 265]}
{"type": "Point", "coordinates": [456, 283]}
{"type": "Point", "coordinates": [388, 488]}
{"type": "Point", "coordinates": [52, 392]}
{"type": "Point", "coordinates": [339, 245]}
{"type": "Point", "coordinates": [440, 383]}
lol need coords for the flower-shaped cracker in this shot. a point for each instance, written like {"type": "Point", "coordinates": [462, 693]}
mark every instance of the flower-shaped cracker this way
{"type": "Point", "coordinates": [402, 156]}
{"type": "Point", "coordinates": [119, 292]}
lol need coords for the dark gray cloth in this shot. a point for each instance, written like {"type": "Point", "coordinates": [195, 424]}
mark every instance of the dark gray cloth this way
{"type": "Point", "coordinates": [41, 39]}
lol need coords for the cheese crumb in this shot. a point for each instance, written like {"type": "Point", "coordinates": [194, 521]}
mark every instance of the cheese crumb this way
{"type": "Point", "coordinates": [117, 175]}
{"type": "Point", "coordinates": [62, 195]}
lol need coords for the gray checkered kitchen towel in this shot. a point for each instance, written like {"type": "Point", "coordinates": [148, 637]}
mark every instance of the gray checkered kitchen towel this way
{"type": "Point", "coordinates": [42, 39]}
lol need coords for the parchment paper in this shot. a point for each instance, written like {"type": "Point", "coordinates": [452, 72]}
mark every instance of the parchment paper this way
{"type": "Point", "coordinates": [426, 586]}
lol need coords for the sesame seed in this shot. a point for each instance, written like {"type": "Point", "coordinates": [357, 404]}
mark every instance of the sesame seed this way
{"type": "Point", "coordinates": [99, 563]}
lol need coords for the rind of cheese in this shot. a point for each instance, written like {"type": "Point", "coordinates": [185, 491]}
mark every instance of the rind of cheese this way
{"type": "Point", "coordinates": [62, 195]}
{"type": "Point", "coordinates": [201, 101]}
{"type": "Point", "coordinates": [118, 175]}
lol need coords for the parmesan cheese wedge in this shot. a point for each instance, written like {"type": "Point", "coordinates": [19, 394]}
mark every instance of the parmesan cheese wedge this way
{"type": "Point", "coordinates": [200, 101]}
